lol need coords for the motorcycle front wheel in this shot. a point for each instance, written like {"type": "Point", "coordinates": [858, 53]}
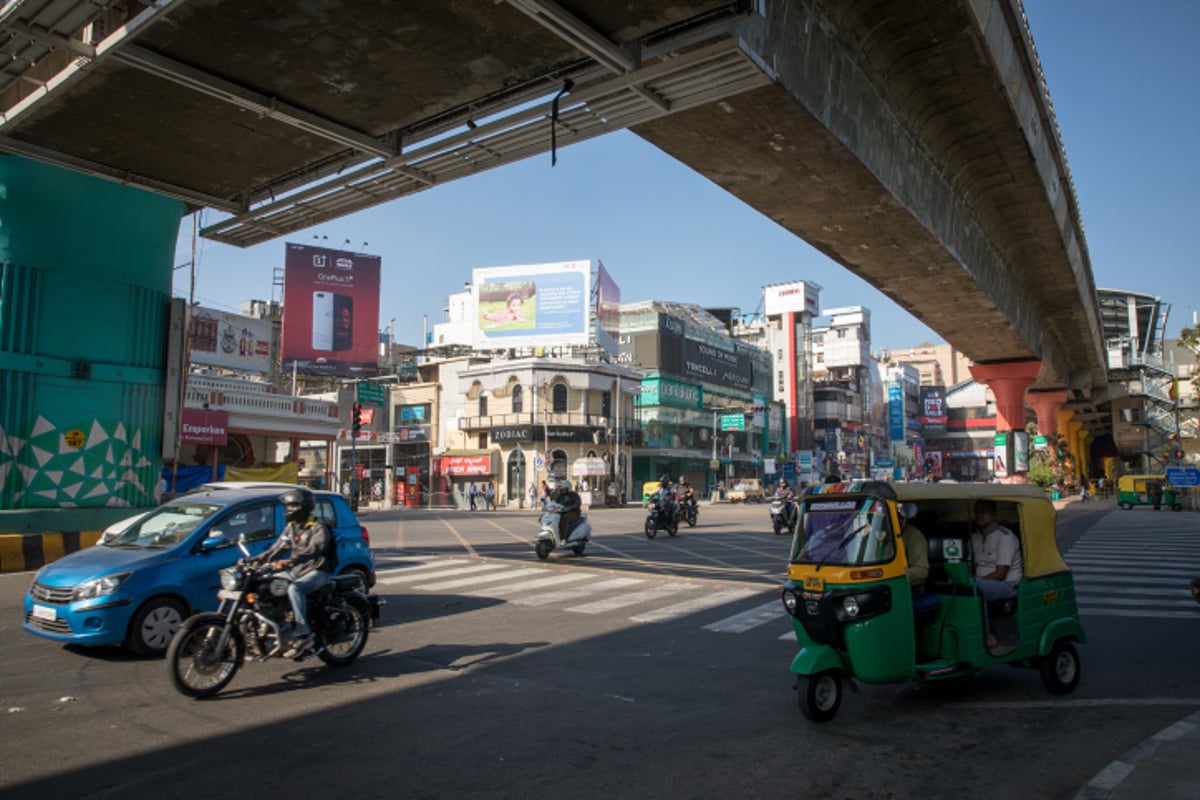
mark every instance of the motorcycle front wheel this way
{"type": "Point", "coordinates": [651, 529]}
{"type": "Point", "coordinates": [197, 668]}
{"type": "Point", "coordinates": [344, 631]}
{"type": "Point", "coordinates": [544, 546]}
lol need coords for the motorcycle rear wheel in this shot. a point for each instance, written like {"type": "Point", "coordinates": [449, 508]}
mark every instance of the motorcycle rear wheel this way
{"type": "Point", "coordinates": [197, 669]}
{"type": "Point", "coordinates": [344, 631]}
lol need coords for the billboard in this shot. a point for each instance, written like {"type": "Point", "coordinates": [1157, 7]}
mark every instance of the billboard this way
{"type": "Point", "coordinates": [933, 409]}
{"type": "Point", "coordinates": [895, 412]}
{"type": "Point", "coordinates": [330, 311]}
{"type": "Point", "coordinates": [531, 305]}
{"type": "Point", "coordinates": [224, 339]}
{"type": "Point", "coordinates": [608, 312]}
{"type": "Point", "coordinates": [797, 296]}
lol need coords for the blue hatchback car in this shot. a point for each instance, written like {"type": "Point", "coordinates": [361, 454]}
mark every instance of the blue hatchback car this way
{"type": "Point", "coordinates": [137, 587]}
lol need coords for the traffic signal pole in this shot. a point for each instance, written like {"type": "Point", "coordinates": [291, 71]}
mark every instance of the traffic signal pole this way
{"type": "Point", "coordinates": [355, 427]}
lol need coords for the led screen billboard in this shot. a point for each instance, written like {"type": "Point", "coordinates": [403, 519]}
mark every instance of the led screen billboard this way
{"type": "Point", "coordinates": [608, 311]}
{"type": "Point", "coordinates": [330, 311]}
{"type": "Point", "coordinates": [531, 305]}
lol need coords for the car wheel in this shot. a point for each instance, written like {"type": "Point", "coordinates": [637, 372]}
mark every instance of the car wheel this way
{"type": "Point", "coordinates": [1060, 668]}
{"type": "Point", "coordinates": [821, 695]}
{"type": "Point", "coordinates": [362, 576]}
{"type": "Point", "coordinates": [154, 625]}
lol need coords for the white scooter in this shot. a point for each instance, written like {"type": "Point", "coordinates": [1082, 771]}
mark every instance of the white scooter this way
{"type": "Point", "coordinates": [548, 539]}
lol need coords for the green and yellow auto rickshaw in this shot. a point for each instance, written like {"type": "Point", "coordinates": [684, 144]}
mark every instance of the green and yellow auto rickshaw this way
{"type": "Point", "coordinates": [856, 617]}
{"type": "Point", "coordinates": [1143, 490]}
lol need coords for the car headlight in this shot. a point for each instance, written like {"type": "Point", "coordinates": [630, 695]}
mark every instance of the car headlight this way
{"type": "Point", "coordinates": [99, 587]}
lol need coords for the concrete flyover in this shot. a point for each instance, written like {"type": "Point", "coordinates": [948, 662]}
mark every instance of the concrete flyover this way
{"type": "Point", "coordinates": [913, 143]}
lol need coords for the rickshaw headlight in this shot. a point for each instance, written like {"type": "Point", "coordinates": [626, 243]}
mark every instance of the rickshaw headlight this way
{"type": "Point", "coordinates": [790, 602]}
{"type": "Point", "coordinates": [850, 606]}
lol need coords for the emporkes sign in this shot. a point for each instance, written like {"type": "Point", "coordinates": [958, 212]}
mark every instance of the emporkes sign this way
{"type": "Point", "coordinates": [665, 392]}
{"type": "Point", "coordinates": [202, 426]}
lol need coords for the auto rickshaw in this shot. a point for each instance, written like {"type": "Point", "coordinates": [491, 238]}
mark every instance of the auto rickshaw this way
{"type": "Point", "coordinates": [855, 615]}
{"type": "Point", "coordinates": [1139, 490]}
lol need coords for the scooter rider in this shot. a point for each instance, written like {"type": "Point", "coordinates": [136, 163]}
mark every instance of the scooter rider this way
{"type": "Point", "coordinates": [571, 504]}
{"type": "Point", "coordinates": [307, 564]}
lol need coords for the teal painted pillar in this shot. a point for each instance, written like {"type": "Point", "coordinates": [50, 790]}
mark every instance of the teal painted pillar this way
{"type": "Point", "coordinates": [85, 282]}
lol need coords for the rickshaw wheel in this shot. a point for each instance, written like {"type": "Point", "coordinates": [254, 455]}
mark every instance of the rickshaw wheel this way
{"type": "Point", "coordinates": [821, 695]}
{"type": "Point", "coordinates": [1060, 668]}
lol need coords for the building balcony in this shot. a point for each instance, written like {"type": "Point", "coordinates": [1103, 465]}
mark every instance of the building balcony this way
{"type": "Point", "coordinates": [260, 408]}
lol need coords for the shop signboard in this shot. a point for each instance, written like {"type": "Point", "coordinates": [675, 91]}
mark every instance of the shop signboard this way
{"type": "Point", "coordinates": [412, 414]}
{"type": "Point", "coordinates": [933, 409]}
{"type": "Point", "coordinates": [1020, 460]}
{"type": "Point", "coordinates": [204, 426]}
{"type": "Point", "coordinates": [411, 434]}
{"type": "Point", "coordinates": [797, 297]}
{"type": "Point", "coordinates": [896, 412]}
{"type": "Point", "coordinates": [1000, 467]}
{"type": "Point", "coordinates": [467, 465]}
{"type": "Point", "coordinates": [660, 391]}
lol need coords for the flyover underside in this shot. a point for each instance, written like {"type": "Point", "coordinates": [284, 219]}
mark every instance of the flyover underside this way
{"type": "Point", "coordinates": [889, 143]}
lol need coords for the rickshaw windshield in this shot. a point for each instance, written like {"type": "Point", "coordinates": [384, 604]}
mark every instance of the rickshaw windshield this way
{"type": "Point", "coordinates": [845, 531]}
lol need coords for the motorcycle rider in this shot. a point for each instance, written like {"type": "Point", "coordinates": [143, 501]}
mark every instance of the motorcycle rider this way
{"type": "Point", "coordinates": [687, 495]}
{"type": "Point", "coordinates": [571, 504]}
{"type": "Point", "coordinates": [308, 539]}
{"type": "Point", "coordinates": [784, 493]}
{"type": "Point", "coordinates": [666, 495]}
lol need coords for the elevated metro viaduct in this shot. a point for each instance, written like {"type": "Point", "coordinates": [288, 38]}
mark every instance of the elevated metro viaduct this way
{"type": "Point", "coordinates": [913, 143]}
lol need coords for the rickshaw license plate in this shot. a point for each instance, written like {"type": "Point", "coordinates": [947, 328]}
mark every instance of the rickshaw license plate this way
{"type": "Point", "coordinates": [814, 584]}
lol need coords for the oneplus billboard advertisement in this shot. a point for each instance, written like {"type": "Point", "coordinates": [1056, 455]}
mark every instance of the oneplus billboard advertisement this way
{"type": "Point", "coordinates": [530, 306]}
{"type": "Point", "coordinates": [330, 311]}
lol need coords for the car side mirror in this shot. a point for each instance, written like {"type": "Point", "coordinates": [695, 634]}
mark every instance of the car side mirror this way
{"type": "Point", "coordinates": [214, 543]}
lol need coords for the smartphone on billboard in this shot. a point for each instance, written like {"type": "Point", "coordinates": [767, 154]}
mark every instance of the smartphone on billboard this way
{"type": "Point", "coordinates": [343, 322]}
{"type": "Point", "coordinates": [322, 327]}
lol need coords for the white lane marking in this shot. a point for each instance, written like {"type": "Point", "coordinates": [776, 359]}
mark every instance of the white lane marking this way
{"type": "Point", "coordinates": [739, 623]}
{"type": "Point", "coordinates": [1101, 589]}
{"type": "Point", "coordinates": [567, 595]}
{"type": "Point", "coordinates": [536, 583]}
{"type": "Point", "coordinates": [405, 578]}
{"type": "Point", "coordinates": [632, 598]}
{"type": "Point", "coordinates": [1186, 574]}
{"type": "Point", "coordinates": [696, 604]}
{"type": "Point", "coordinates": [507, 575]}
{"type": "Point", "coordinates": [1124, 601]}
{"type": "Point", "coordinates": [1091, 611]}
{"type": "Point", "coordinates": [428, 565]}
{"type": "Point", "coordinates": [1134, 579]}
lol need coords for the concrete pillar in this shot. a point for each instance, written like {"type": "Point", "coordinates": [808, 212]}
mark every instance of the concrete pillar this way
{"type": "Point", "coordinates": [1074, 444]}
{"type": "Point", "coordinates": [85, 276]}
{"type": "Point", "coordinates": [1047, 404]}
{"type": "Point", "coordinates": [1008, 382]}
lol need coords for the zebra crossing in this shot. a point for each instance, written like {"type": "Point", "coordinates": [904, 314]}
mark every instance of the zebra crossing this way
{"type": "Point", "coordinates": [649, 599]}
{"type": "Point", "coordinates": [1138, 564]}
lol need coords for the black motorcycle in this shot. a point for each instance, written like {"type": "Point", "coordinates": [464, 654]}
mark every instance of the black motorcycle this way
{"type": "Point", "coordinates": [689, 509]}
{"type": "Point", "coordinates": [661, 516]}
{"type": "Point", "coordinates": [254, 616]}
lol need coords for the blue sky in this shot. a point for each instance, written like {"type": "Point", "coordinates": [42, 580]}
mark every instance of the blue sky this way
{"type": "Point", "coordinates": [1123, 80]}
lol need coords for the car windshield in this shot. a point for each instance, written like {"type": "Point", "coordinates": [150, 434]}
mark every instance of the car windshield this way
{"type": "Point", "coordinates": [166, 527]}
{"type": "Point", "coordinates": [845, 531]}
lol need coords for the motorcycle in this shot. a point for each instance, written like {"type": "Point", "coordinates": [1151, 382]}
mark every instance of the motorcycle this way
{"type": "Point", "coordinates": [783, 515]}
{"type": "Point", "coordinates": [548, 537]}
{"type": "Point", "coordinates": [253, 619]}
{"type": "Point", "coordinates": [689, 509]}
{"type": "Point", "coordinates": [661, 515]}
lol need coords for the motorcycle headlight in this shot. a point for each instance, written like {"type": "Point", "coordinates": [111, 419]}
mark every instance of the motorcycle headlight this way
{"type": "Point", "coordinates": [279, 586]}
{"type": "Point", "coordinates": [231, 578]}
{"type": "Point", "coordinates": [99, 587]}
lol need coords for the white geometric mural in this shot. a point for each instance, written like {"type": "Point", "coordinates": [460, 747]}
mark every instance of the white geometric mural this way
{"type": "Point", "coordinates": [109, 469]}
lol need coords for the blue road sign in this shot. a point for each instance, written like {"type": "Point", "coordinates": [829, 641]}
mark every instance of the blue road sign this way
{"type": "Point", "coordinates": [1183, 476]}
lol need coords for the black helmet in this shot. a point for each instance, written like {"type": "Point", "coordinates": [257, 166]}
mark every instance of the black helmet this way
{"type": "Point", "coordinates": [300, 497]}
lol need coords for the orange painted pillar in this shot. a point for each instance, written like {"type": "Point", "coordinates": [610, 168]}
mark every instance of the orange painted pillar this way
{"type": "Point", "coordinates": [1047, 404]}
{"type": "Point", "coordinates": [1008, 382]}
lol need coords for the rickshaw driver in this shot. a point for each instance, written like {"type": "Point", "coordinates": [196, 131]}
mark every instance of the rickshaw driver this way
{"type": "Point", "coordinates": [998, 565]}
{"type": "Point", "coordinates": [916, 553]}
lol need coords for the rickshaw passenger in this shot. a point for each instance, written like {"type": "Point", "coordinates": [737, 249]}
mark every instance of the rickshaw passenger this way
{"type": "Point", "coordinates": [998, 564]}
{"type": "Point", "coordinates": [916, 554]}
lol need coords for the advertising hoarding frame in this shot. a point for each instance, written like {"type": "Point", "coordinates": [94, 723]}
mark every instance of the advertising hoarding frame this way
{"type": "Point", "coordinates": [531, 305]}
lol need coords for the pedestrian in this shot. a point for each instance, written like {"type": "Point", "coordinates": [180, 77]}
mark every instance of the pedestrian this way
{"type": "Point", "coordinates": [533, 494]}
{"type": "Point", "coordinates": [545, 492]}
{"type": "Point", "coordinates": [489, 497]}
{"type": "Point", "coordinates": [1083, 493]}
{"type": "Point", "coordinates": [472, 494]}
